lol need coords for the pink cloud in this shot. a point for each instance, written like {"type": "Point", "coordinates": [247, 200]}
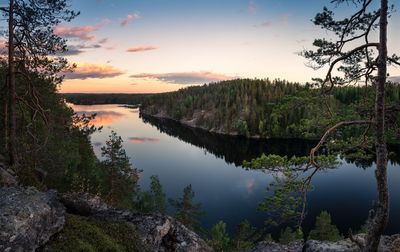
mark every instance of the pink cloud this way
{"type": "Point", "coordinates": [142, 48]}
{"type": "Point", "coordinates": [85, 71]}
{"type": "Point", "coordinates": [80, 32]}
{"type": "Point", "coordinates": [129, 18]}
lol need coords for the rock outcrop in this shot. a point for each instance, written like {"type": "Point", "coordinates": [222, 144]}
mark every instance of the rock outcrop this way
{"type": "Point", "coordinates": [158, 232]}
{"type": "Point", "coordinates": [268, 246]}
{"type": "Point", "coordinates": [387, 244]}
{"type": "Point", "coordinates": [28, 218]}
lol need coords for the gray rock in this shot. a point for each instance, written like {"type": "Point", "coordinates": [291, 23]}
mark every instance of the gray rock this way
{"type": "Point", "coordinates": [158, 232]}
{"type": "Point", "coordinates": [28, 218]}
{"type": "Point", "coordinates": [267, 246]}
{"type": "Point", "coordinates": [83, 203]}
{"type": "Point", "coordinates": [387, 244]}
{"type": "Point", "coordinates": [327, 246]}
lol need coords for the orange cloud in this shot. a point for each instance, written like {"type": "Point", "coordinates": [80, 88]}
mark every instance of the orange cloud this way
{"type": "Point", "coordinates": [85, 71]}
{"type": "Point", "coordinates": [142, 48]}
{"type": "Point", "coordinates": [129, 18]}
{"type": "Point", "coordinates": [185, 77]}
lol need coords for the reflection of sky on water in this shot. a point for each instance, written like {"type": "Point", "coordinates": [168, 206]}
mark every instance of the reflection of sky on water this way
{"type": "Point", "coordinates": [228, 192]}
{"type": "Point", "coordinates": [143, 140]}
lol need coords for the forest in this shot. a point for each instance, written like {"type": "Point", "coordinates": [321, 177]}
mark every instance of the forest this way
{"type": "Point", "coordinates": [268, 109]}
{"type": "Point", "coordinates": [92, 99]}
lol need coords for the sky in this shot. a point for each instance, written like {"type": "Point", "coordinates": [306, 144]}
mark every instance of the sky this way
{"type": "Point", "coordinates": [150, 46]}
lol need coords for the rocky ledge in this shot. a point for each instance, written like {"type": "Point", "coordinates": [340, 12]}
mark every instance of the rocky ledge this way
{"type": "Point", "coordinates": [158, 232]}
{"type": "Point", "coordinates": [28, 218]}
{"type": "Point", "coordinates": [387, 244]}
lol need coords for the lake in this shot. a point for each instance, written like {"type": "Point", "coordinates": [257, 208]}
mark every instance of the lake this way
{"type": "Point", "coordinates": [211, 163]}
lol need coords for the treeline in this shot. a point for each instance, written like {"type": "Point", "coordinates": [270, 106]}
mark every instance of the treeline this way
{"type": "Point", "coordinates": [92, 99]}
{"type": "Point", "coordinates": [261, 107]}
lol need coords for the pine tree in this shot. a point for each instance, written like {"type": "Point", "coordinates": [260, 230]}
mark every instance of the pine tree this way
{"type": "Point", "coordinates": [324, 229]}
{"type": "Point", "coordinates": [187, 211]}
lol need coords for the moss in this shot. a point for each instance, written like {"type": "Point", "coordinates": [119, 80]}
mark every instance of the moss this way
{"type": "Point", "coordinates": [90, 234]}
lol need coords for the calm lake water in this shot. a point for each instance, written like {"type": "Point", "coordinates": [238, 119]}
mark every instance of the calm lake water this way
{"type": "Point", "coordinates": [212, 165]}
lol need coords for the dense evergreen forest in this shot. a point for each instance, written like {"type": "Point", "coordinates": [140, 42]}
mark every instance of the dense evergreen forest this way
{"type": "Point", "coordinates": [92, 99]}
{"type": "Point", "coordinates": [264, 108]}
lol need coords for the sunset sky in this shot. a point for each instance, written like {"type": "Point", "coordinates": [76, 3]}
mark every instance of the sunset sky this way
{"type": "Point", "coordinates": [141, 46]}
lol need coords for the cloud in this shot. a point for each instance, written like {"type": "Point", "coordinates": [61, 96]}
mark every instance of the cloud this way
{"type": "Point", "coordinates": [142, 48]}
{"type": "Point", "coordinates": [85, 71]}
{"type": "Point", "coordinates": [3, 47]}
{"type": "Point", "coordinates": [103, 41]}
{"type": "Point", "coordinates": [80, 32]}
{"type": "Point", "coordinates": [143, 140]}
{"type": "Point", "coordinates": [395, 78]}
{"type": "Point", "coordinates": [185, 77]}
{"type": "Point", "coordinates": [252, 8]}
{"type": "Point", "coordinates": [129, 18]}
{"type": "Point", "coordinates": [72, 50]}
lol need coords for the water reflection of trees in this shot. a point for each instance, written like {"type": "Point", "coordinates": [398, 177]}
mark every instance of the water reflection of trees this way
{"type": "Point", "coordinates": [234, 150]}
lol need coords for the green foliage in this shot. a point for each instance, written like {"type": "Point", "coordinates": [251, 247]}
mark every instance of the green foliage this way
{"type": "Point", "coordinates": [268, 237]}
{"type": "Point", "coordinates": [284, 199]}
{"type": "Point", "coordinates": [324, 229]}
{"type": "Point", "coordinates": [272, 109]}
{"type": "Point", "coordinates": [188, 212]}
{"type": "Point", "coordinates": [219, 237]}
{"type": "Point", "coordinates": [153, 200]}
{"type": "Point", "coordinates": [245, 237]}
{"type": "Point", "coordinates": [288, 235]}
{"type": "Point", "coordinates": [89, 234]}
{"type": "Point", "coordinates": [120, 178]}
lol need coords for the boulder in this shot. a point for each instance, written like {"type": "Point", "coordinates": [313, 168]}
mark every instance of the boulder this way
{"type": "Point", "coordinates": [28, 218]}
{"type": "Point", "coordinates": [159, 232]}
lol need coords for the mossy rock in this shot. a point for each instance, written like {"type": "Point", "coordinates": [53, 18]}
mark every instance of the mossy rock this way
{"type": "Point", "coordinates": [90, 234]}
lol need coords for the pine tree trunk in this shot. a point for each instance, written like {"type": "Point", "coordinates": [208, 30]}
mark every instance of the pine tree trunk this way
{"type": "Point", "coordinates": [12, 139]}
{"type": "Point", "coordinates": [5, 111]}
{"type": "Point", "coordinates": [381, 212]}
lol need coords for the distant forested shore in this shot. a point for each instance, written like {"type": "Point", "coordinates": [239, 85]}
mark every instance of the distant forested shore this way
{"type": "Point", "coordinates": [264, 108]}
{"type": "Point", "coordinates": [116, 98]}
